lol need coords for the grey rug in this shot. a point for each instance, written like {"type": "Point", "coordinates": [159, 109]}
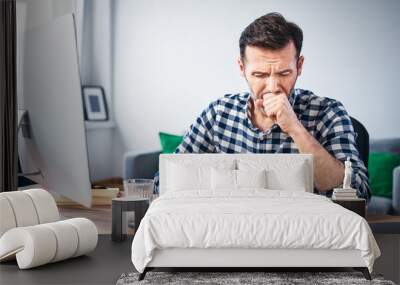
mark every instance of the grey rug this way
{"type": "Point", "coordinates": [226, 278]}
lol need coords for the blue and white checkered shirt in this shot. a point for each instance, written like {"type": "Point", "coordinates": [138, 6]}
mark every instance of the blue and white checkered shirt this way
{"type": "Point", "coordinates": [224, 127]}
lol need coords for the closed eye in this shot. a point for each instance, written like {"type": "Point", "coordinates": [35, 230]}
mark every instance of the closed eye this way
{"type": "Point", "coordinates": [260, 74]}
{"type": "Point", "coordinates": [285, 73]}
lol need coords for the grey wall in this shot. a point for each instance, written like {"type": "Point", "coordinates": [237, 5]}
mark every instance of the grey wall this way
{"type": "Point", "coordinates": [173, 57]}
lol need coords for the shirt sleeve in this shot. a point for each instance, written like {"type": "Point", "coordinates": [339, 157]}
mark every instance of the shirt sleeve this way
{"type": "Point", "coordinates": [338, 138]}
{"type": "Point", "coordinates": [198, 139]}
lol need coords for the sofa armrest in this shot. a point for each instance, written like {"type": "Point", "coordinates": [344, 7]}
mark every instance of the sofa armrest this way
{"type": "Point", "coordinates": [140, 164]}
{"type": "Point", "coordinates": [396, 190]}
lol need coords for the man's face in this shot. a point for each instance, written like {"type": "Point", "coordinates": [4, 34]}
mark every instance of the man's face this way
{"type": "Point", "coordinates": [271, 71]}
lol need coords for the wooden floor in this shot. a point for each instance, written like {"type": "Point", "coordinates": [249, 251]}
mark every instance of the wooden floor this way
{"type": "Point", "coordinates": [99, 215]}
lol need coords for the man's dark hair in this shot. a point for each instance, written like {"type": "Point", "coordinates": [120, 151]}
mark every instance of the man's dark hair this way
{"type": "Point", "coordinates": [271, 31]}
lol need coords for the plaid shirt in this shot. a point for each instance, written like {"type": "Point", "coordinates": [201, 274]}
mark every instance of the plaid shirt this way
{"type": "Point", "coordinates": [224, 127]}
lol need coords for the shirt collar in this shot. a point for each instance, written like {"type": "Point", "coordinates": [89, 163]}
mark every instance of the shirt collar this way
{"type": "Point", "coordinates": [292, 97]}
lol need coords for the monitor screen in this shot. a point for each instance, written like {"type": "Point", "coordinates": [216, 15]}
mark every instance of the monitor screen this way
{"type": "Point", "coordinates": [53, 100]}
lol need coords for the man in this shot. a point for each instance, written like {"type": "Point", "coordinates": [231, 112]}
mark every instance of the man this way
{"type": "Point", "coordinates": [275, 117]}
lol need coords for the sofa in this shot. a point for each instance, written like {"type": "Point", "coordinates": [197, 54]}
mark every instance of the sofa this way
{"type": "Point", "coordinates": [138, 164]}
{"type": "Point", "coordinates": [382, 205]}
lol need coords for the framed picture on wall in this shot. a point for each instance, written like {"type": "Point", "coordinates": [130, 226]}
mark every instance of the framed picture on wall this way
{"type": "Point", "coordinates": [94, 103]}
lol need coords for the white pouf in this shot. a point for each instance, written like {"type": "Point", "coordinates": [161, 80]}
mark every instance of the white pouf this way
{"type": "Point", "coordinates": [7, 220]}
{"type": "Point", "coordinates": [87, 234]}
{"type": "Point", "coordinates": [33, 246]}
{"type": "Point", "coordinates": [31, 232]}
{"type": "Point", "coordinates": [23, 208]}
{"type": "Point", "coordinates": [45, 205]}
{"type": "Point", "coordinates": [67, 238]}
{"type": "Point", "coordinates": [41, 244]}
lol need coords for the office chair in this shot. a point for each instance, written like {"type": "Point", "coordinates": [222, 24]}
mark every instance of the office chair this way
{"type": "Point", "coordinates": [362, 140]}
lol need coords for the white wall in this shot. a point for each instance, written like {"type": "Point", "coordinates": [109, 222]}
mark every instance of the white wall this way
{"type": "Point", "coordinates": [173, 57]}
{"type": "Point", "coordinates": [96, 69]}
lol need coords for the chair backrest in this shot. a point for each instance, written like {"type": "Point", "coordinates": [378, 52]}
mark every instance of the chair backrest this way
{"type": "Point", "coordinates": [362, 140]}
{"type": "Point", "coordinates": [144, 165]}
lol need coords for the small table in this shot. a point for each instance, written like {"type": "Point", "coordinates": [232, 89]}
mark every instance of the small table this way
{"type": "Point", "coordinates": [356, 205]}
{"type": "Point", "coordinates": [125, 204]}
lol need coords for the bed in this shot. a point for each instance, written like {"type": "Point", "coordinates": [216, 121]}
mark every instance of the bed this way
{"type": "Point", "coordinates": [247, 210]}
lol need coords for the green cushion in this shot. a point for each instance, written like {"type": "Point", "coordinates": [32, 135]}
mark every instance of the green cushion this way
{"type": "Point", "coordinates": [380, 169]}
{"type": "Point", "coordinates": [169, 142]}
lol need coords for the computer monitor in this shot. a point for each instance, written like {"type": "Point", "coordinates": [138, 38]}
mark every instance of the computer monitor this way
{"type": "Point", "coordinates": [52, 97]}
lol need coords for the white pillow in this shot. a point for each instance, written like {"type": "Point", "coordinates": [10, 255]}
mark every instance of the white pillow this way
{"type": "Point", "coordinates": [183, 176]}
{"type": "Point", "coordinates": [237, 179]}
{"type": "Point", "coordinates": [251, 178]}
{"type": "Point", "coordinates": [223, 179]}
{"type": "Point", "coordinates": [280, 180]}
{"type": "Point", "coordinates": [282, 174]}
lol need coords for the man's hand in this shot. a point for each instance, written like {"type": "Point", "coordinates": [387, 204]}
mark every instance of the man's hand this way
{"type": "Point", "coordinates": [278, 108]}
{"type": "Point", "coordinates": [328, 171]}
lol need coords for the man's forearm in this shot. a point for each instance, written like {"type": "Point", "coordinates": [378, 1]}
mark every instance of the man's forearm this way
{"type": "Point", "coordinates": [328, 171]}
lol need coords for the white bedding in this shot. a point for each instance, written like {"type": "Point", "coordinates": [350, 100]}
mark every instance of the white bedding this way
{"type": "Point", "coordinates": [251, 218]}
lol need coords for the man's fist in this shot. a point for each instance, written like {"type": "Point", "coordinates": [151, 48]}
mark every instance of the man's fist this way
{"type": "Point", "coordinates": [278, 108]}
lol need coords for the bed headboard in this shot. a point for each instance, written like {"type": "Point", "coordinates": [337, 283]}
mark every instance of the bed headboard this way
{"type": "Point", "coordinates": [284, 171]}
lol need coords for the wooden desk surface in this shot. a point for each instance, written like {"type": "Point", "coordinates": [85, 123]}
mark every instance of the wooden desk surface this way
{"type": "Point", "coordinates": [382, 219]}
